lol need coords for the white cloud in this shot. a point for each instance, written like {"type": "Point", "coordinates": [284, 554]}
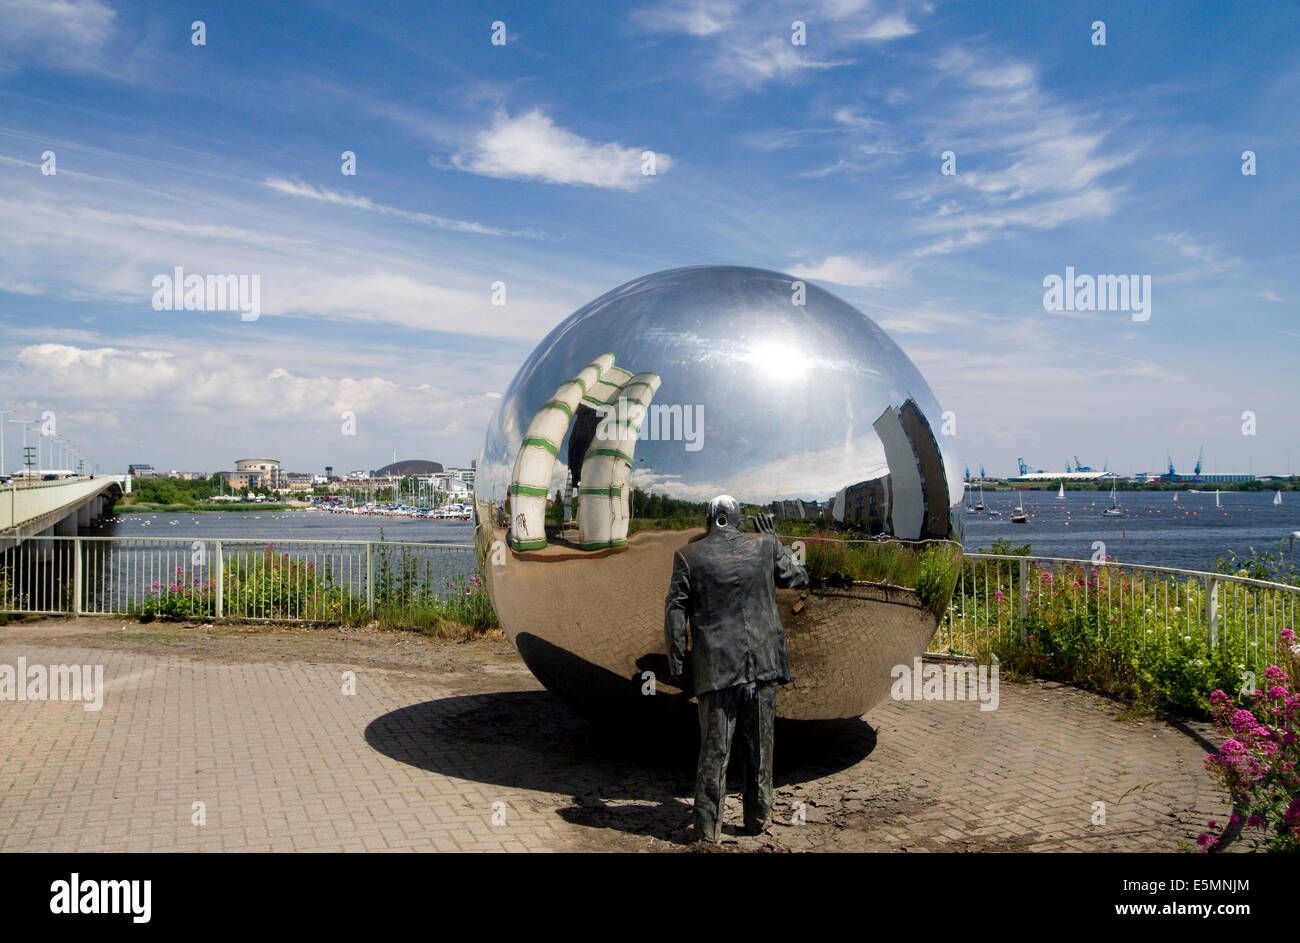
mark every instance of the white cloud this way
{"type": "Point", "coordinates": [894, 26]}
{"type": "Point", "coordinates": [843, 270]}
{"type": "Point", "coordinates": [60, 247]}
{"type": "Point", "coordinates": [751, 40]}
{"type": "Point", "coordinates": [238, 399]}
{"type": "Point", "coordinates": [54, 34]}
{"type": "Point", "coordinates": [697, 17]}
{"type": "Point", "coordinates": [772, 58]}
{"type": "Point", "coordinates": [1023, 158]}
{"type": "Point", "coordinates": [326, 195]}
{"type": "Point", "coordinates": [532, 147]}
{"type": "Point", "coordinates": [1211, 260]}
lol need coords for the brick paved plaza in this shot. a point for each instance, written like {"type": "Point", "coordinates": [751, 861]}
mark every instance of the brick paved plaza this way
{"type": "Point", "coordinates": [448, 747]}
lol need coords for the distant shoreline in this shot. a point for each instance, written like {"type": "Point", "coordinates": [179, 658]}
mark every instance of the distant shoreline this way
{"type": "Point", "coordinates": [1205, 486]}
{"type": "Point", "coordinates": [143, 508]}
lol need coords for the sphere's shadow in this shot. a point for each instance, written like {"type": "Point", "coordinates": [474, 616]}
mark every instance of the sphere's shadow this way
{"type": "Point", "coordinates": [631, 778]}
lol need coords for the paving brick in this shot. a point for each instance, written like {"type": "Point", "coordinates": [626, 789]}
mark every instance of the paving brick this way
{"type": "Point", "coordinates": [283, 762]}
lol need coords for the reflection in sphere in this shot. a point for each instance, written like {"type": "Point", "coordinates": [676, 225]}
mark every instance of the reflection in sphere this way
{"type": "Point", "coordinates": [682, 385]}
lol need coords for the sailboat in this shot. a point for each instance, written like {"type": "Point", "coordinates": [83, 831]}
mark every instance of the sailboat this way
{"type": "Point", "coordinates": [1060, 492]}
{"type": "Point", "coordinates": [1217, 502]}
{"type": "Point", "coordinates": [1277, 499]}
{"type": "Point", "coordinates": [1019, 515]}
{"type": "Point", "coordinates": [1175, 497]}
{"type": "Point", "coordinates": [979, 505]}
{"type": "Point", "coordinates": [1114, 509]}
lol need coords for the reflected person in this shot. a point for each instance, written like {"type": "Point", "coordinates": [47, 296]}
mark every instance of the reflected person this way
{"type": "Point", "coordinates": [724, 586]}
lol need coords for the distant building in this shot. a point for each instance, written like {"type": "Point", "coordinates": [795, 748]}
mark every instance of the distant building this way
{"type": "Point", "coordinates": [911, 501]}
{"type": "Point", "coordinates": [864, 505]}
{"type": "Point", "coordinates": [141, 471]}
{"type": "Point", "coordinates": [797, 510]}
{"type": "Point", "coordinates": [297, 482]}
{"type": "Point", "coordinates": [409, 467]}
{"type": "Point", "coordinates": [255, 473]}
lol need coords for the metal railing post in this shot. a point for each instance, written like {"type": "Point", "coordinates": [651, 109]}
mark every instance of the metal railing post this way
{"type": "Point", "coordinates": [219, 581]}
{"type": "Point", "coordinates": [370, 580]}
{"type": "Point", "coordinates": [76, 576]}
{"type": "Point", "coordinates": [1024, 597]}
{"type": "Point", "coordinates": [1212, 611]}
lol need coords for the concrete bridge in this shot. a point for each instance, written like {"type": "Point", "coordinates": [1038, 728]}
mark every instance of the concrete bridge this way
{"type": "Point", "coordinates": [56, 508]}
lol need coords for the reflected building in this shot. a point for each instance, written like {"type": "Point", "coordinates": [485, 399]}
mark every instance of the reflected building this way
{"type": "Point", "coordinates": [912, 502]}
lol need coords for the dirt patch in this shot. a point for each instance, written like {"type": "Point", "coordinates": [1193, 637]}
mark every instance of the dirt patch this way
{"type": "Point", "coordinates": [230, 643]}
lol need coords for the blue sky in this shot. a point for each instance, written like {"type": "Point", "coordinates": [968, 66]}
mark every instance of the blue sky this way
{"type": "Point", "coordinates": [522, 163]}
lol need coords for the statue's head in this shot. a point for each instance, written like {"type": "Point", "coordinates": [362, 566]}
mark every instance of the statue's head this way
{"type": "Point", "coordinates": [724, 513]}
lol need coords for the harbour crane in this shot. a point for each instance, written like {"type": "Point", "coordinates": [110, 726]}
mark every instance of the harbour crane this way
{"type": "Point", "coordinates": [1080, 467]}
{"type": "Point", "coordinates": [1199, 457]}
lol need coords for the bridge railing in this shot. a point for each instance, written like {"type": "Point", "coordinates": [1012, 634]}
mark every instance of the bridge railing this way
{"type": "Point", "coordinates": [281, 580]}
{"type": "Point", "coordinates": [998, 596]}
{"type": "Point", "coordinates": [23, 499]}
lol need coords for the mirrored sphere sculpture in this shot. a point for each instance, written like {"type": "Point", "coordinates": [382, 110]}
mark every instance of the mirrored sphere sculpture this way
{"type": "Point", "coordinates": [700, 381]}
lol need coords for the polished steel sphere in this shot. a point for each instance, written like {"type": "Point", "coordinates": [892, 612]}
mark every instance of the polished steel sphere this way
{"type": "Point", "coordinates": [674, 388]}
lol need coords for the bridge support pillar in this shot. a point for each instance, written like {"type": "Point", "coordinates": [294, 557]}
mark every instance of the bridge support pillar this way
{"type": "Point", "coordinates": [66, 527]}
{"type": "Point", "coordinates": [85, 514]}
{"type": "Point", "coordinates": [39, 546]}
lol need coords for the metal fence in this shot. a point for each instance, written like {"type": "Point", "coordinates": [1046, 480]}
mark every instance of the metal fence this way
{"type": "Point", "coordinates": [283, 580]}
{"type": "Point", "coordinates": [999, 595]}
{"type": "Point", "coordinates": [996, 596]}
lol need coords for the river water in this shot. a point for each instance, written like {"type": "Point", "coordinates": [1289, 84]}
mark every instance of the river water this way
{"type": "Point", "coordinates": [1154, 530]}
{"type": "Point", "coordinates": [288, 525]}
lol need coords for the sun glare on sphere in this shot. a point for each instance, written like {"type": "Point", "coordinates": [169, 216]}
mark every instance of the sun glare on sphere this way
{"type": "Point", "coordinates": [779, 361]}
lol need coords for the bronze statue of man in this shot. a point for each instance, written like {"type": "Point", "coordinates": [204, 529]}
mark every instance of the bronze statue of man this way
{"type": "Point", "coordinates": [724, 586]}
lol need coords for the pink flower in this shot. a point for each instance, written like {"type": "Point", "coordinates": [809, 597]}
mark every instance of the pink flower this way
{"type": "Point", "coordinates": [1243, 720]}
{"type": "Point", "coordinates": [1292, 814]}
